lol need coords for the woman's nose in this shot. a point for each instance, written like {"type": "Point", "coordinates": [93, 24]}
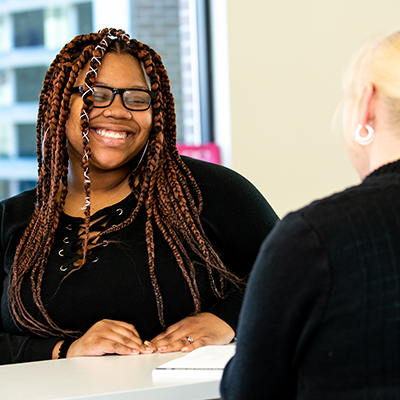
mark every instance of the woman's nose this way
{"type": "Point", "coordinates": [117, 109]}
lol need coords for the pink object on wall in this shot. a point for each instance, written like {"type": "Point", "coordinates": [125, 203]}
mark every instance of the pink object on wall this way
{"type": "Point", "coordinates": [206, 152]}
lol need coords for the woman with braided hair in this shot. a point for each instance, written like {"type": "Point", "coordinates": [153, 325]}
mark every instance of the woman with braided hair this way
{"type": "Point", "coordinates": [124, 247]}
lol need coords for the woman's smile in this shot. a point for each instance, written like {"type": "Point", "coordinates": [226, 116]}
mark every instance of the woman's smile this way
{"type": "Point", "coordinates": [111, 134]}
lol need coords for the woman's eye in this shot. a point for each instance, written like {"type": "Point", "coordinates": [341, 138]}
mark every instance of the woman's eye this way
{"type": "Point", "coordinates": [139, 101]}
{"type": "Point", "coordinates": [101, 97]}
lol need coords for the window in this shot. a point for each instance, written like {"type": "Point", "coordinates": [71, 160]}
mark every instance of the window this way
{"type": "Point", "coordinates": [28, 83]}
{"type": "Point", "coordinates": [6, 139]}
{"type": "Point", "coordinates": [28, 29]}
{"type": "Point", "coordinates": [4, 188]}
{"type": "Point", "coordinates": [5, 88]}
{"type": "Point", "coordinates": [26, 185]}
{"type": "Point", "coordinates": [84, 13]}
{"type": "Point", "coordinates": [26, 134]}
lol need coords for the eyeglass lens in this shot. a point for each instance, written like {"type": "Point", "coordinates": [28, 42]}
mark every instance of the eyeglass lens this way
{"type": "Point", "coordinates": [132, 99]}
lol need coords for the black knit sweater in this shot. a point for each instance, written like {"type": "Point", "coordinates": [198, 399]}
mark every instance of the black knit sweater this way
{"type": "Point", "coordinates": [321, 314]}
{"type": "Point", "coordinates": [115, 282]}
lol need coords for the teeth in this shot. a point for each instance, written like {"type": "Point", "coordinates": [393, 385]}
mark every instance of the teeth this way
{"type": "Point", "coordinates": [111, 134]}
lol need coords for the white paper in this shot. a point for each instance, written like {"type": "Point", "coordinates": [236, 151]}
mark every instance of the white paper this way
{"type": "Point", "coordinates": [205, 362]}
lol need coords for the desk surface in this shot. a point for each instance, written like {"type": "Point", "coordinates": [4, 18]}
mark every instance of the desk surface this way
{"type": "Point", "coordinates": [103, 378]}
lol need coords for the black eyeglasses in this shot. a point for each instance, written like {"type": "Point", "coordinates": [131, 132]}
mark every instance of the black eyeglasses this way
{"type": "Point", "coordinates": [132, 99]}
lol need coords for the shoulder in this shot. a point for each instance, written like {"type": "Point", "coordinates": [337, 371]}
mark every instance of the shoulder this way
{"type": "Point", "coordinates": [226, 191]}
{"type": "Point", "coordinates": [329, 211]}
{"type": "Point", "coordinates": [222, 181]}
{"type": "Point", "coordinates": [15, 212]}
{"type": "Point", "coordinates": [353, 206]}
{"type": "Point", "coordinates": [207, 173]}
{"type": "Point", "coordinates": [336, 220]}
{"type": "Point", "coordinates": [24, 199]}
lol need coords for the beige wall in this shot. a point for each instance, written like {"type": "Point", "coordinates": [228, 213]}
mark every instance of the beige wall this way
{"type": "Point", "coordinates": [285, 63]}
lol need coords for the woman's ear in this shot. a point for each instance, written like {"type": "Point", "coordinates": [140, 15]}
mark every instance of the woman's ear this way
{"type": "Point", "coordinates": [367, 106]}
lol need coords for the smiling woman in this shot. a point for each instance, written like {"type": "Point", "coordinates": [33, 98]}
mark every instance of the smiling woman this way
{"type": "Point", "coordinates": [125, 247]}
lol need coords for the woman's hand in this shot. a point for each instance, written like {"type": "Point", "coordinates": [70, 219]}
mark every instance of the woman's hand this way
{"type": "Point", "coordinates": [204, 328]}
{"type": "Point", "coordinates": [106, 337]}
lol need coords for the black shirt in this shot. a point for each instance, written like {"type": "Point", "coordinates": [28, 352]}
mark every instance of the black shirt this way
{"type": "Point", "coordinates": [321, 314]}
{"type": "Point", "coordinates": [115, 282]}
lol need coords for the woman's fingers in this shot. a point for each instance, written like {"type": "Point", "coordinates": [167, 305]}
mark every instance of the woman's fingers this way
{"type": "Point", "coordinates": [118, 337]}
{"type": "Point", "coordinates": [193, 332]}
{"type": "Point", "coordinates": [107, 337]}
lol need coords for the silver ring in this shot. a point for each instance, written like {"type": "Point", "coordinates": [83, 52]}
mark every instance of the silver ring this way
{"type": "Point", "coordinates": [189, 339]}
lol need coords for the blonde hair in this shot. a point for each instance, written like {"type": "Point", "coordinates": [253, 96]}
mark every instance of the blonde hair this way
{"type": "Point", "coordinates": [376, 62]}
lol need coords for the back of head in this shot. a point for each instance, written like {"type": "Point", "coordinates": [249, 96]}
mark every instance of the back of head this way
{"type": "Point", "coordinates": [377, 62]}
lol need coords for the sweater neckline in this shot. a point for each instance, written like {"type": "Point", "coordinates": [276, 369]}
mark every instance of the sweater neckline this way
{"type": "Point", "coordinates": [128, 200]}
{"type": "Point", "coordinates": [389, 168]}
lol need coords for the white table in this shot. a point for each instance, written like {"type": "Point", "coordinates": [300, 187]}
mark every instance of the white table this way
{"type": "Point", "coordinates": [103, 378]}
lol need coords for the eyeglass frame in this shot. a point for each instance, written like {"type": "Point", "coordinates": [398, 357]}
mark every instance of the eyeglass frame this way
{"type": "Point", "coordinates": [79, 89]}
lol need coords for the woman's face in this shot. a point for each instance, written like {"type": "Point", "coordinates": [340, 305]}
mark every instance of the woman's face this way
{"type": "Point", "coordinates": [116, 135]}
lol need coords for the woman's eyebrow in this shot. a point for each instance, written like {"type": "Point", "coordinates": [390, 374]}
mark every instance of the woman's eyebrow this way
{"type": "Point", "coordinates": [130, 87]}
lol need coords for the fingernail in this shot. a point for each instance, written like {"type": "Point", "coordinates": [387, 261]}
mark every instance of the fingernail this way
{"type": "Point", "coordinates": [162, 348]}
{"type": "Point", "coordinates": [147, 343]}
{"type": "Point", "coordinates": [135, 351]}
{"type": "Point", "coordinates": [184, 349]}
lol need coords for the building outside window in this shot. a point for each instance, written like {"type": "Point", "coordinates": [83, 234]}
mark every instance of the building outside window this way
{"type": "Point", "coordinates": [34, 31]}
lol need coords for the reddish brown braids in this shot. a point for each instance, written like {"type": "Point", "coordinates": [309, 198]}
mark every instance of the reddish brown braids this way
{"type": "Point", "coordinates": [166, 190]}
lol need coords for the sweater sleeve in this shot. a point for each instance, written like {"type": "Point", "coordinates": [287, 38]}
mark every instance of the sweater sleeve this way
{"type": "Point", "coordinates": [18, 349]}
{"type": "Point", "coordinates": [284, 303]}
{"type": "Point", "coordinates": [15, 348]}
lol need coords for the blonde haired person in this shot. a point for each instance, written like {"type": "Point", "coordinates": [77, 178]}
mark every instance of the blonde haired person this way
{"type": "Point", "coordinates": [321, 315]}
